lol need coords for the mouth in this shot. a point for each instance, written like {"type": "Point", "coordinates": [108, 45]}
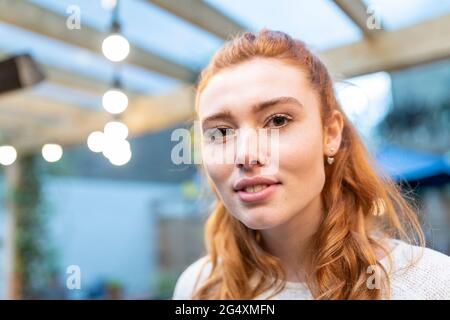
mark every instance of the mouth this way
{"type": "Point", "coordinates": [258, 191]}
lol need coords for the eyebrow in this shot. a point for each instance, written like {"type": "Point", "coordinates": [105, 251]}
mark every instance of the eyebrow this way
{"type": "Point", "coordinates": [227, 115]}
{"type": "Point", "coordinates": [279, 100]}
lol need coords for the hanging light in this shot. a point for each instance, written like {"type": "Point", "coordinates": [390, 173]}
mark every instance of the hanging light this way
{"type": "Point", "coordinates": [116, 130]}
{"type": "Point", "coordinates": [118, 152]}
{"type": "Point", "coordinates": [8, 155]}
{"type": "Point", "coordinates": [96, 141]}
{"type": "Point", "coordinates": [115, 47]}
{"type": "Point", "coordinates": [120, 158]}
{"type": "Point", "coordinates": [115, 101]}
{"type": "Point", "coordinates": [52, 152]}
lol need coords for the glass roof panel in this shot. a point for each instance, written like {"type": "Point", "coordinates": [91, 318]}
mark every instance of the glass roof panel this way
{"type": "Point", "coordinates": [79, 61]}
{"type": "Point", "coordinates": [320, 23]}
{"type": "Point", "coordinates": [148, 27]}
{"type": "Point", "coordinates": [402, 13]}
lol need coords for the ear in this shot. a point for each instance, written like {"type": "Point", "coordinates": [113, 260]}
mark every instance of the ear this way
{"type": "Point", "coordinates": [333, 133]}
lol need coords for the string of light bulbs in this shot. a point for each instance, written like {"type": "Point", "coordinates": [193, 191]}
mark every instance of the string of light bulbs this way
{"type": "Point", "coordinates": [111, 142]}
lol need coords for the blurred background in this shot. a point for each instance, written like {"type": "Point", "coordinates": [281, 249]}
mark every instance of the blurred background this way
{"type": "Point", "coordinates": [91, 91]}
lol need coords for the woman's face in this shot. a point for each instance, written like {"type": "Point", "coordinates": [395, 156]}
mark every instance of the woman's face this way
{"type": "Point", "coordinates": [266, 94]}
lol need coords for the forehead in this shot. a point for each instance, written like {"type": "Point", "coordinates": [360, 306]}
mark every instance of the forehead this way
{"type": "Point", "coordinates": [251, 82]}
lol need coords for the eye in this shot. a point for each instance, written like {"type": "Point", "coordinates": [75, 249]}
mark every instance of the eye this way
{"type": "Point", "coordinates": [278, 120]}
{"type": "Point", "coordinates": [218, 135]}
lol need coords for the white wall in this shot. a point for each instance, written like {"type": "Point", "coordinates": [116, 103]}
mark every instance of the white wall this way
{"type": "Point", "coordinates": [104, 226]}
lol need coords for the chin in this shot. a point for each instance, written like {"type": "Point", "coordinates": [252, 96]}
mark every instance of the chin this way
{"type": "Point", "coordinates": [259, 221]}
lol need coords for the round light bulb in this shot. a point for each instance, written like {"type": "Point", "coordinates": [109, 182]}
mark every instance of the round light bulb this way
{"type": "Point", "coordinates": [8, 155]}
{"type": "Point", "coordinates": [115, 47]}
{"type": "Point", "coordinates": [96, 141]}
{"type": "Point", "coordinates": [52, 152]}
{"type": "Point", "coordinates": [120, 159]}
{"type": "Point", "coordinates": [118, 152]}
{"type": "Point", "coordinates": [115, 101]}
{"type": "Point", "coordinates": [116, 130]}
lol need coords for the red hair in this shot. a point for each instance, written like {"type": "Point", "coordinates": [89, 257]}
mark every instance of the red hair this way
{"type": "Point", "coordinates": [362, 208]}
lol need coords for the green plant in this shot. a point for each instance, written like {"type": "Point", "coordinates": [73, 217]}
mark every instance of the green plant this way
{"type": "Point", "coordinates": [32, 256]}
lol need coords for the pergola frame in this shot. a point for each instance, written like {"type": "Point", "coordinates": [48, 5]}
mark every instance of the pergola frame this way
{"type": "Point", "coordinates": [378, 51]}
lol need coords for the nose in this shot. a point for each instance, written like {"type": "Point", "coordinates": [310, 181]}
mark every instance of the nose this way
{"type": "Point", "coordinates": [248, 150]}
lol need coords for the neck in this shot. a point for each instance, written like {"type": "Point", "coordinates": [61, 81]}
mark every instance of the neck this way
{"type": "Point", "coordinates": [291, 241]}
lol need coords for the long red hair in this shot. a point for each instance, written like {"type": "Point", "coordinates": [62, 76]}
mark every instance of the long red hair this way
{"type": "Point", "coordinates": [362, 207]}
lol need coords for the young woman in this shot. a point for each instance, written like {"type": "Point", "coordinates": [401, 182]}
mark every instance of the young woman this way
{"type": "Point", "coordinates": [313, 220]}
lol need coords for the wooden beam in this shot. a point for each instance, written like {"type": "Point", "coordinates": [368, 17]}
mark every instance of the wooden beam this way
{"type": "Point", "coordinates": [81, 83]}
{"type": "Point", "coordinates": [52, 121]}
{"type": "Point", "coordinates": [36, 106]}
{"type": "Point", "coordinates": [356, 10]}
{"type": "Point", "coordinates": [150, 113]}
{"type": "Point", "coordinates": [31, 17]}
{"type": "Point", "coordinates": [37, 120]}
{"type": "Point", "coordinates": [387, 51]}
{"type": "Point", "coordinates": [143, 113]}
{"type": "Point", "coordinates": [202, 15]}
{"type": "Point", "coordinates": [74, 80]}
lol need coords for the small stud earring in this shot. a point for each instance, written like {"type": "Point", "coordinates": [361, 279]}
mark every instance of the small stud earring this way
{"type": "Point", "coordinates": [330, 159]}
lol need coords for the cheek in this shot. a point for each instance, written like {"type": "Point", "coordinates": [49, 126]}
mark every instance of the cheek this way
{"type": "Point", "coordinates": [219, 173]}
{"type": "Point", "coordinates": [218, 161]}
{"type": "Point", "coordinates": [301, 156]}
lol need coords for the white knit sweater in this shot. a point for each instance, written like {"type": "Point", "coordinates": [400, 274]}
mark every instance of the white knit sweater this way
{"type": "Point", "coordinates": [416, 273]}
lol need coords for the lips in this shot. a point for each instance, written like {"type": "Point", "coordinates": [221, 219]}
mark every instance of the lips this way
{"type": "Point", "coordinates": [256, 189]}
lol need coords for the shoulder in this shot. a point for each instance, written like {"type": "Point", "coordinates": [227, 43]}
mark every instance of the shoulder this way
{"type": "Point", "coordinates": [191, 277]}
{"type": "Point", "coordinates": [419, 273]}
